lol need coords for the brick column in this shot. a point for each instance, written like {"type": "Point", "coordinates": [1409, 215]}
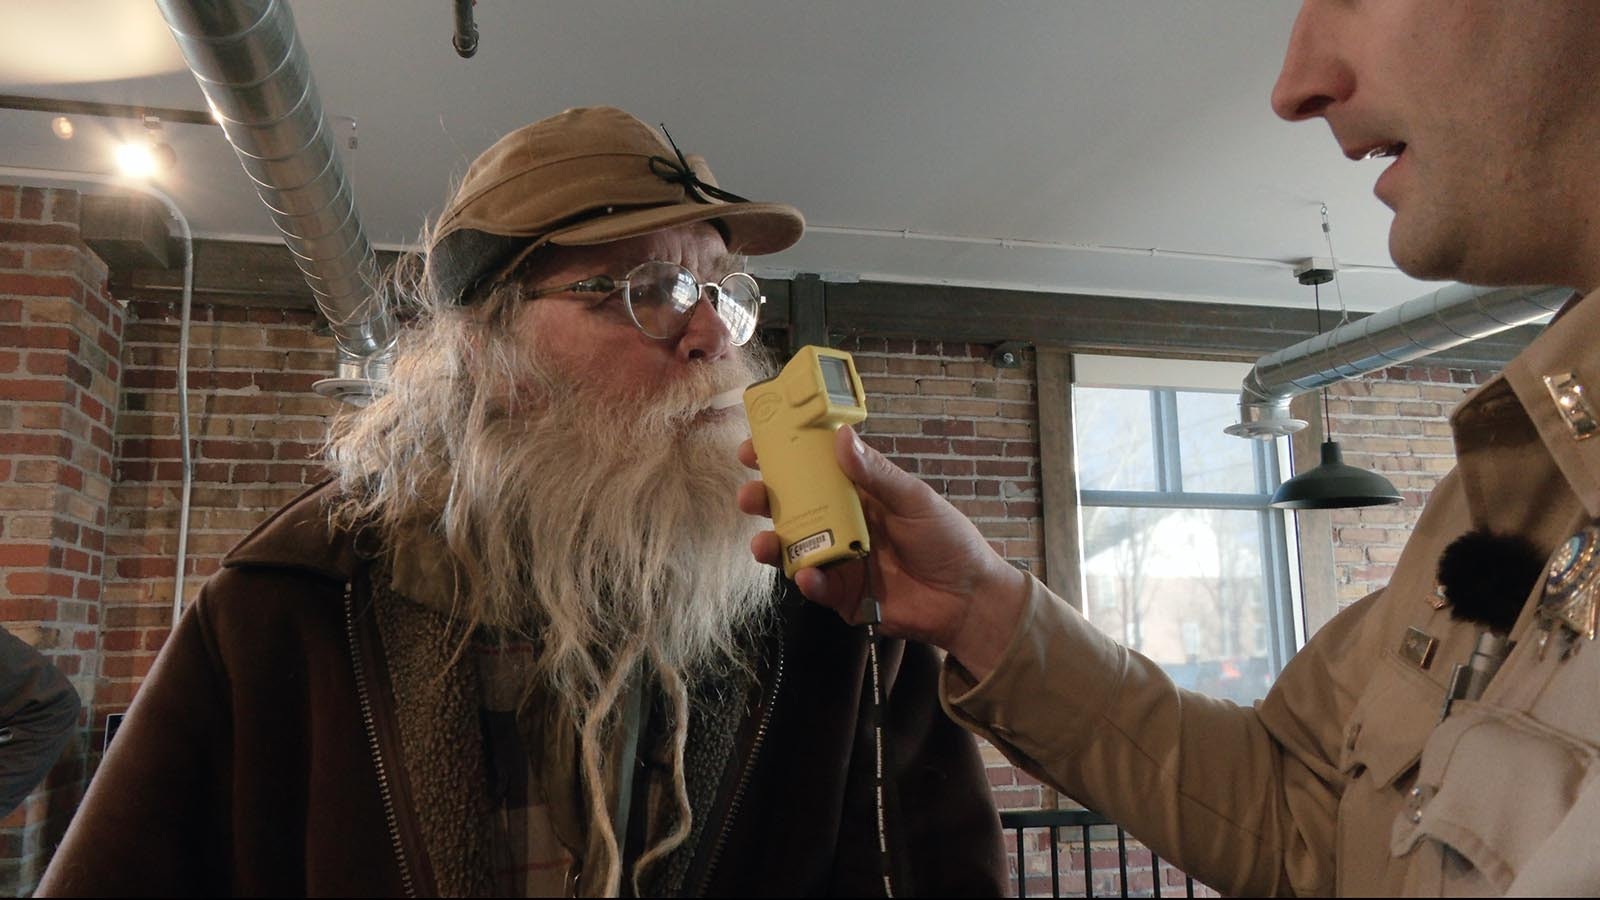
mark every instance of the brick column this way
{"type": "Point", "coordinates": [255, 427]}
{"type": "Point", "coordinates": [60, 367]}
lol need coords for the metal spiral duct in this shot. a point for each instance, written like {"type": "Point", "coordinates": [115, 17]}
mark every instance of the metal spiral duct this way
{"type": "Point", "coordinates": [250, 64]}
{"type": "Point", "coordinates": [1446, 318]}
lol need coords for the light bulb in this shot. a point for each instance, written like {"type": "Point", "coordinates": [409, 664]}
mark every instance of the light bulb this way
{"type": "Point", "coordinates": [136, 159]}
{"type": "Point", "coordinates": [146, 158]}
{"type": "Point", "coordinates": [63, 127]}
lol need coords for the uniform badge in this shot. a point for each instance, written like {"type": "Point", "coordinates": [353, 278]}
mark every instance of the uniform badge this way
{"type": "Point", "coordinates": [1568, 606]}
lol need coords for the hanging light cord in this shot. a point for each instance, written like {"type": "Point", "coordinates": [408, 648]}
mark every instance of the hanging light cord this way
{"type": "Point", "coordinates": [1327, 236]}
{"type": "Point", "coordinates": [1316, 295]}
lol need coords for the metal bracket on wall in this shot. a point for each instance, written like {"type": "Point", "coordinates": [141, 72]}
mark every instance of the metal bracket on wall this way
{"type": "Point", "coordinates": [1007, 355]}
{"type": "Point", "coordinates": [808, 312]}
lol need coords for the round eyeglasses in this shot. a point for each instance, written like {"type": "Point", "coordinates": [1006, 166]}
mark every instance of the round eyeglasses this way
{"type": "Point", "coordinates": [661, 298]}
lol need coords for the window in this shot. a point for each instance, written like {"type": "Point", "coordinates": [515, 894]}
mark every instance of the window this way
{"type": "Point", "coordinates": [1182, 558]}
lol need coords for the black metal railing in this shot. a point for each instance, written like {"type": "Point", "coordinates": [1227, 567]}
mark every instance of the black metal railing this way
{"type": "Point", "coordinates": [1091, 829]}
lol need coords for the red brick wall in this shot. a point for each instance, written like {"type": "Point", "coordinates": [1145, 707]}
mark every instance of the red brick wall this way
{"type": "Point", "coordinates": [1396, 423]}
{"type": "Point", "coordinates": [942, 411]}
{"type": "Point", "coordinates": [255, 426]}
{"type": "Point", "coordinates": [59, 376]}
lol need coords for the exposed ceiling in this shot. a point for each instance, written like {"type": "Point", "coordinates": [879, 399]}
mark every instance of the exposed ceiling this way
{"type": "Point", "coordinates": [1117, 148]}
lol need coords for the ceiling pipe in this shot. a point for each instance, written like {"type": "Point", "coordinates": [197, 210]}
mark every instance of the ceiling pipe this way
{"type": "Point", "coordinates": [250, 64]}
{"type": "Point", "coordinates": [1449, 317]}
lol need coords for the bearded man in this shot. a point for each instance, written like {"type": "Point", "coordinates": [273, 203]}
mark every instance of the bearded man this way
{"type": "Point", "coordinates": [517, 646]}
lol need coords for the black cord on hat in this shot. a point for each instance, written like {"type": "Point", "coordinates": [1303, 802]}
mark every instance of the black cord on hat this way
{"type": "Point", "coordinates": [681, 173]}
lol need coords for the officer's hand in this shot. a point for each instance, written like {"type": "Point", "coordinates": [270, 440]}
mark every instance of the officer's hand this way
{"type": "Point", "coordinates": [935, 577]}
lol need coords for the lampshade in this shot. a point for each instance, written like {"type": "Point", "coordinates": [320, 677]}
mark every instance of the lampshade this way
{"type": "Point", "coordinates": [1334, 485]}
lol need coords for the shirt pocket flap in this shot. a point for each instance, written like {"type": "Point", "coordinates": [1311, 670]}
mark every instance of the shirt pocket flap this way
{"type": "Point", "coordinates": [1468, 797]}
{"type": "Point", "coordinates": [1391, 722]}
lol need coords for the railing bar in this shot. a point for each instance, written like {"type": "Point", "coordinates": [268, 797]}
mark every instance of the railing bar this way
{"type": "Point", "coordinates": [1122, 858]}
{"type": "Point", "coordinates": [1084, 820]}
{"type": "Point", "coordinates": [1055, 862]}
{"type": "Point", "coordinates": [1088, 863]}
{"type": "Point", "coordinates": [1022, 868]}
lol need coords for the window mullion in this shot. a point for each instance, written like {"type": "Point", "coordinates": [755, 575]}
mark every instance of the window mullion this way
{"type": "Point", "coordinates": [1164, 428]}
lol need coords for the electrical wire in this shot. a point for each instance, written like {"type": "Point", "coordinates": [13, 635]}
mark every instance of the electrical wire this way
{"type": "Point", "coordinates": [872, 616]}
{"type": "Point", "coordinates": [116, 181]}
{"type": "Point", "coordinates": [1028, 244]}
{"type": "Point", "coordinates": [1327, 236]}
{"type": "Point", "coordinates": [1316, 296]}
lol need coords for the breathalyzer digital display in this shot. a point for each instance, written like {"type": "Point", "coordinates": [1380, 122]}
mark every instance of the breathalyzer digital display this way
{"type": "Point", "coordinates": [836, 378]}
{"type": "Point", "coordinates": [793, 417]}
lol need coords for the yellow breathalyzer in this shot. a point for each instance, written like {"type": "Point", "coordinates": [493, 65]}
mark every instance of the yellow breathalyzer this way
{"type": "Point", "coordinates": [793, 418]}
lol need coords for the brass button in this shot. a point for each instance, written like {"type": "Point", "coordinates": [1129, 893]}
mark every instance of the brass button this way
{"type": "Point", "coordinates": [1416, 799]}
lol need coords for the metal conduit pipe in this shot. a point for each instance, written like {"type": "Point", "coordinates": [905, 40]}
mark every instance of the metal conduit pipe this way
{"type": "Point", "coordinates": [1451, 316]}
{"type": "Point", "coordinates": [250, 64]}
{"type": "Point", "coordinates": [465, 39]}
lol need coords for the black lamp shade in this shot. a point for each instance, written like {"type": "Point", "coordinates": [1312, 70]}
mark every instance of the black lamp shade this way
{"type": "Point", "coordinates": [1334, 485]}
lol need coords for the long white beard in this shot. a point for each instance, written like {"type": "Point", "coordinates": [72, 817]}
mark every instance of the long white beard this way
{"type": "Point", "coordinates": [603, 526]}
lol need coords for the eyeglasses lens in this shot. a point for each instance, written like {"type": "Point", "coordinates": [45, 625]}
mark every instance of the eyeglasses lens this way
{"type": "Point", "coordinates": [739, 306]}
{"type": "Point", "coordinates": [662, 297]}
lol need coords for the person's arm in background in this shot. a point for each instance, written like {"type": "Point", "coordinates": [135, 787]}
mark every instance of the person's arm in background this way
{"type": "Point", "coordinates": [38, 717]}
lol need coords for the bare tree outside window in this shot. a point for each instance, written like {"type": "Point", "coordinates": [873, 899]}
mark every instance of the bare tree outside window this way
{"type": "Point", "coordinates": [1183, 559]}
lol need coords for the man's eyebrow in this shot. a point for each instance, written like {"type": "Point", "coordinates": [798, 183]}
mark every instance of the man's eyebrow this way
{"type": "Point", "coordinates": [717, 267]}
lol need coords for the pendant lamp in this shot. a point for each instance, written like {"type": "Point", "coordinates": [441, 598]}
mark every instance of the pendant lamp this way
{"type": "Point", "coordinates": [1332, 484]}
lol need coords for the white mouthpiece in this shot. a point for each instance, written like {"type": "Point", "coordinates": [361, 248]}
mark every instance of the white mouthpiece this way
{"type": "Point", "coordinates": [729, 397]}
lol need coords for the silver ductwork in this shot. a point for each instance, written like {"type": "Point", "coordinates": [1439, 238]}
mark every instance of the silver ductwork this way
{"type": "Point", "coordinates": [250, 64]}
{"type": "Point", "coordinates": [1451, 316]}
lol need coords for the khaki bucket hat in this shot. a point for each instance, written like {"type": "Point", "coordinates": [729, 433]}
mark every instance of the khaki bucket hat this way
{"type": "Point", "coordinates": [586, 176]}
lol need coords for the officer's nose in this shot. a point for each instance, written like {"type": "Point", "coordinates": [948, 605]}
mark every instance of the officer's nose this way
{"type": "Point", "coordinates": [1314, 76]}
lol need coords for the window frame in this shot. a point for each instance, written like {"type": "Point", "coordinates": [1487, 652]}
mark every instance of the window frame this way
{"type": "Point", "coordinates": [1279, 551]}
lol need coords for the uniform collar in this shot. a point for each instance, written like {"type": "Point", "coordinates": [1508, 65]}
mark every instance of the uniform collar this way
{"type": "Point", "coordinates": [1563, 362]}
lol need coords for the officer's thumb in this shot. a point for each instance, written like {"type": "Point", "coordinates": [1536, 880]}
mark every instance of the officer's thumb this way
{"type": "Point", "coordinates": [890, 485]}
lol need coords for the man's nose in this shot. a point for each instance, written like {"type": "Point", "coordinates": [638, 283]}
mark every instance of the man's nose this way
{"type": "Point", "coordinates": [1313, 76]}
{"type": "Point", "coordinates": [706, 338]}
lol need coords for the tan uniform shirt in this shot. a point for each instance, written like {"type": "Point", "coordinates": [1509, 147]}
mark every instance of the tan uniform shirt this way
{"type": "Point", "coordinates": [1344, 779]}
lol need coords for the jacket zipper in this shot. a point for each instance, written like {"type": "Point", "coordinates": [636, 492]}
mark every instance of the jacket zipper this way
{"type": "Point", "coordinates": [370, 724]}
{"type": "Point", "coordinates": [744, 777]}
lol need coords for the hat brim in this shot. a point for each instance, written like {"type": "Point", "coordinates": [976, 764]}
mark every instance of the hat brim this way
{"type": "Point", "coordinates": [753, 229]}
